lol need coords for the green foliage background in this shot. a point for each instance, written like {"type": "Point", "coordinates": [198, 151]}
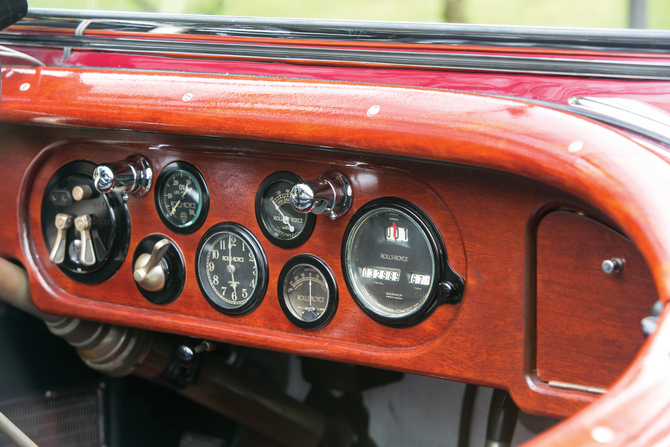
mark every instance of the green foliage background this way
{"type": "Point", "coordinates": [573, 13]}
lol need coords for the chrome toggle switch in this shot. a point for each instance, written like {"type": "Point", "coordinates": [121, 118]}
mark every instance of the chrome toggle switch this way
{"type": "Point", "coordinates": [130, 176]}
{"type": "Point", "coordinates": [330, 194]}
{"type": "Point", "coordinates": [83, 225]}
{"type": "Point", "coordinates": [63, 222]}
{"type": "Point", "coordinates": [149, 273]}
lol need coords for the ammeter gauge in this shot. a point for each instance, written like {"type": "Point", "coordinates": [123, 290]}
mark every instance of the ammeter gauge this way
{"type": "Point", "coordinates": [279, 222]}
{"type": "Point", "coordinates": [181, 197]}
{"type": "Point", "coordinates": [394, 261]}
{"type": "Point", "coordinates": [307, 292]}
{"type": "Point", "coordinates": [231, 268]}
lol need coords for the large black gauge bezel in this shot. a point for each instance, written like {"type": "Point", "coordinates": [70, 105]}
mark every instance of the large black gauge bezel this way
{"type": "Point", "coordinates": [107, 210]}
{"type": "Point", "coordinates": [161, 183]}
{"type": "Point", "coordinates": [441, 271]}
{"type": "Point", "coordinates": [212, 236]}
{"type": "Point", "coordinates": [262, 196]}
{"type": "Point", "coordinates": [283, 283]}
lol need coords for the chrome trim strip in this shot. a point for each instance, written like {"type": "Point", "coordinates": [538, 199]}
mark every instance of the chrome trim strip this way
{"type": "Point", "coordinates": [631, 111]}
{"type": "Point", "coordinates": [327, 56]}
{"type": "Point", "coordinates": [575, 387]}
{"type": "Point", "coordinates": [650, 41]}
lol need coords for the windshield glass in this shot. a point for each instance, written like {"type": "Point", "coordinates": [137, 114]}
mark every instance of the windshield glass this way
{"type": "Point", "coordinates": [653, 14]}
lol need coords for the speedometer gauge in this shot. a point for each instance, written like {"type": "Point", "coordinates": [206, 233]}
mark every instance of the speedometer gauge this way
{"type": "Point", "coordinates": [279, 222]}
{"type": "Point", "coordinates": [181, 197]}
{"type": "Point", "coordinates": [394, 262]}
{"type": "Point", "coordinates": [231, 268]}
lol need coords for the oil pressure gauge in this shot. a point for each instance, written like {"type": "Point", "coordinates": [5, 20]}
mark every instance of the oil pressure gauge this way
{"type": "Point", "coordinates": [395, 263]}
{"type": "Point", "coordinates": [231, 268]}
{"type": "Point", "coordinates": [279, 222]}
{"type": "Point", "coordinates": [307, 292]}
{"type": "Point", "coordinates": [182, 198]}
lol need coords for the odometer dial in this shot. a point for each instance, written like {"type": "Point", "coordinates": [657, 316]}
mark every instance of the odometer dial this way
{"type": "Point", "coordinates": [231, 268]}
{"type": "Point", "coordinates": [279, 222]}
{"type": "Point", "coordinates": [307, 292]}
{"type": "Point", "coordinates": [393, 260]}
{"type": "Point", "coordinates": [181, 197]}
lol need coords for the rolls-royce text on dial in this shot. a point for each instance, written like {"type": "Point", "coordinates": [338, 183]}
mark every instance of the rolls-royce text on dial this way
{"type": "Point", "coordinates": [231, 268]}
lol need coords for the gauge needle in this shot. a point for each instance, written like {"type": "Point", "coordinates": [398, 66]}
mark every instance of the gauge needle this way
{"type": "Point", "coordinates": [311, 308]}
{"type": "Point", "coordinates": [285, 220]}
{"type": "Point", "coordinates": [174, 208]}
{"type": "Point", "coordinates": [186, 190]}
{"type": "Point", "coordinates": [231, 268]}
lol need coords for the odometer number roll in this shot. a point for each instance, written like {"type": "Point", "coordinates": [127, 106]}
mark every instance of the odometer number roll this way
{"type": "Point", "coordinates": [394, 260]}
{"type": "Point", "coordinates": [232, 269]}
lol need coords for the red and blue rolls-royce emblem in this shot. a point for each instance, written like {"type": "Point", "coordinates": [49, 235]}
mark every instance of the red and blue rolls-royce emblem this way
{"type": "Point", "coordinates": [395, 233]}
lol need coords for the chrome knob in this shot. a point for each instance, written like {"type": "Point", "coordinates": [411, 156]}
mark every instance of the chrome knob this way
{"type": "Point", "coordinates": [148, 271]}
{"type": "Point", "coordinates": [63, 222]}
{"type": "Point", "coordinates": [330, 194]}
{"type": "Point", "coordinates": [186, 354]}
{"type": "Point", "coordinates": [130, 176]}
{"type": "Point", "coordinates": [83, 224]}
{"type": "Point", "coordinates": [614, 265]}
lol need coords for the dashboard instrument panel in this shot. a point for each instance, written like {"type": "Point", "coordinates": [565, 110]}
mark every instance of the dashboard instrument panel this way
{"type": "Point", "coordinates": [485, 197]}
{"type": "Point", "coordinates": [488, 259]}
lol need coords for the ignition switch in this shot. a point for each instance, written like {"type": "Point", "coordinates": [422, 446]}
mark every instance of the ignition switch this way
{"type": "Point", "coordinates": [86, 232]}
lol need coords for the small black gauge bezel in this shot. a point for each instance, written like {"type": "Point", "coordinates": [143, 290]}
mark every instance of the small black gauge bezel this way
{"type": "Point", "coordinates": [333, 294]}
{"type": "Point", "coordinates": [310, 219]}
{"type": "Point", "coordinates": [120, 223]}
{"type": "Point", "coordinates": [204, 196]}
{"type": "Point", "coordinates": [262, 265]}
{"type": "Point", "coordinates": [443, 271]}
{"type": "Point", "coordinates": [173, 262]}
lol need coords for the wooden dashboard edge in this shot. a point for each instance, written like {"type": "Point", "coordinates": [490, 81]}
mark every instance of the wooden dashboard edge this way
{"type": "Point", "coordinates": [612, 172]}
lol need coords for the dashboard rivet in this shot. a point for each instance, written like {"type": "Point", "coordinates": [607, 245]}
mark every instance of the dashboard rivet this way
{"type": "Point", "coordinates": [575, 146]}
{"type": "Point", "coordinates": [603, 435]}
{"type": "Point", "coordinates": [372, 111]}
{"type": "Point", "coordinates": [187, 97]}
{"type": "Point", "coordinates": [24, 87]}
{"type": "Point", "coordinates": [614, 265]}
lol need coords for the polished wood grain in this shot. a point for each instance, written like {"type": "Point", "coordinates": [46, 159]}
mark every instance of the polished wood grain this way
{"type": "Point", "coordinates": [613, 173]}
{"type": "Point", "coordinates": [459, 342]}
{"type": "Point", "coordinates": [588, 322]}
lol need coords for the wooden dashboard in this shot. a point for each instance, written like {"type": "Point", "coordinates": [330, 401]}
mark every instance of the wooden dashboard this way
{"type": "Point", "coordinates": [525, 220]}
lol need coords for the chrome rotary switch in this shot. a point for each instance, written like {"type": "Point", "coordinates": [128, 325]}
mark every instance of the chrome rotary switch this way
{"type": "Point", "coordinates": [63, 222]}
{"type": "Point", "coordinates": [330, 194]}
{"type": "Point", "coordinates": [130, 176]}
{"type": "Point", "coordinates": [83, 224]}
{"type": "Point", "coordinates": [149, 273]}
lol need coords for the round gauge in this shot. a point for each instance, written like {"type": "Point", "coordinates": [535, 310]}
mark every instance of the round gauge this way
{"type": "Point", "coordinates": [307, 292]}
{"type": "Point", "coordinates": [231, 268]}
{"type": "Point", "coordinates": [393, 260]}
{"type": "Point", "coordinates": [279, 222]}
{"type": "Point", "coordinates": [182, 198]}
